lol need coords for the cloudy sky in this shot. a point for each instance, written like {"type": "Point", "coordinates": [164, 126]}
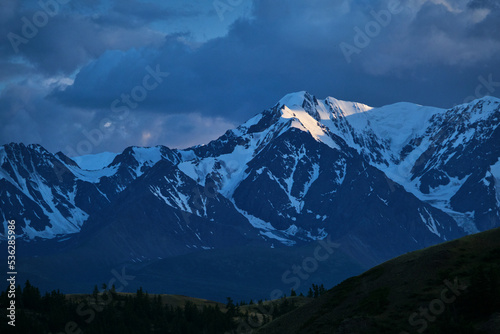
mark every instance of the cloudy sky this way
{"type": "Point", "coordinates": [87, 76]}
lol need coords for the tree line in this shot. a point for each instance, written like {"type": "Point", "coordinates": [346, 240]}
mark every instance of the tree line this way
{"type": "Point", "coordinates": [106, 311]}
{"type": "Point", "coordinates": [138, 313]}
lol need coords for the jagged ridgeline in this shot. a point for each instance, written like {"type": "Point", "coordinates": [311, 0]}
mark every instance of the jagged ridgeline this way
{"type": "Point", "coordinates": [364, 184]}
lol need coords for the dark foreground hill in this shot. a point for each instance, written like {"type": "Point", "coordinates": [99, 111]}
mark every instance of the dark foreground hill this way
{"type": "Point", "coordinates": [453, 287]}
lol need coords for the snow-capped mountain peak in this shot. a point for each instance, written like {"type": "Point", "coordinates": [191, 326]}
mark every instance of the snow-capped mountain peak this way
{"type": "Point", "coordinates": [296, 99]}
{"type": "Point", "coordinates": [339, 108]}
{"type": "Point", "coordinates": [303, 120]}
{"type": "Point", "coordinates": [297, 168]}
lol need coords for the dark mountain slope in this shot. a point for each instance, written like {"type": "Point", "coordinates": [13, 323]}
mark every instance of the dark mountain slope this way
{"type": "Point", "coordinates": [453, 287]}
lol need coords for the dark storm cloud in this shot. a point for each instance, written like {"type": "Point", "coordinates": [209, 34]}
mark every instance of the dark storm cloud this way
{"type": "Point", "coordinates": [25, 116]}
{"type": "Point", "coordinates": [429, 52]}
{"type": "Point", "coordinates": [150, 11]}
{"type": "Point", "coordinates": [491, 23]}
{"type": "Point", "coordinates": [289, 47]}
{"type": "Point", "coordinates": [490, 4]}
{"type": "Point", "coordinates": [9, 70]}
{"type": "Point", "coordinates": [259, 59]}
{"type": "Point", "coordinates": [60, 38]}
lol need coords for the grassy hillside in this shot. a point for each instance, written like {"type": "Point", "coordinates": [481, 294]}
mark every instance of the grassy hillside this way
{"type": "Point", "coordinates": [453, 287]}
{"type": "Point", "coordinates": [171, 300]}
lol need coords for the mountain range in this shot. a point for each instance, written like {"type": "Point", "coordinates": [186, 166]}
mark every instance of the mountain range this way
{"type": "Point", "coordinates": [239, 215]}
